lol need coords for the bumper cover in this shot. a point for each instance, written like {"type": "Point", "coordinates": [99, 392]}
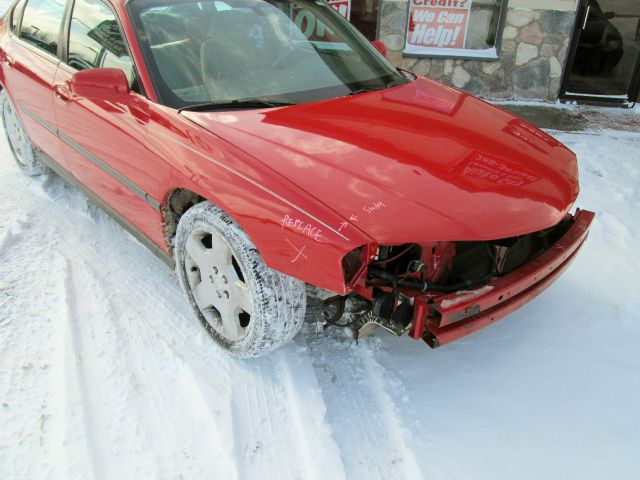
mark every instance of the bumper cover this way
{"type": "Point", "coordinates": [439, 320]}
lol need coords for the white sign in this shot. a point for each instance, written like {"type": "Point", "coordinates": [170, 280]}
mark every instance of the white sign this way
{"type": "Point", "coordinates": [437, 25]}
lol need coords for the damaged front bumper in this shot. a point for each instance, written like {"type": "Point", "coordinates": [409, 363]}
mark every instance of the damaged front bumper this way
{"type": "Point", "coordinates": [441, 319]}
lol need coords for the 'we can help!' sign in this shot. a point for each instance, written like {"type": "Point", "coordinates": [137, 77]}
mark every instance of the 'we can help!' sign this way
{"type": "Point", "coordinates": [435, 25]}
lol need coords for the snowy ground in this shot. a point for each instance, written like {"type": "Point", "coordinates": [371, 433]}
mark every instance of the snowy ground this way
{"type": "Point", "coordinates": [104, 373]}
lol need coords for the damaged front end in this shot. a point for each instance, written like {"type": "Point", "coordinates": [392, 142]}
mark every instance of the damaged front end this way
{"type": "Point", "coordinates": [442, 291]}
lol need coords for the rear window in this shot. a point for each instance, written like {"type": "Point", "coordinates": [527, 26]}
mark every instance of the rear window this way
{"type": "Point", "coordinates": [41, 24]}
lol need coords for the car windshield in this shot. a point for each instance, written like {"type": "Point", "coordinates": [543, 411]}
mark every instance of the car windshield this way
{"type": "Point", "coordinates": [248, 53]}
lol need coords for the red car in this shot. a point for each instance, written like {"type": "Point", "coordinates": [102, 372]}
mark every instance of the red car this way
{"type": "Point", "coordinates": [257, 145]}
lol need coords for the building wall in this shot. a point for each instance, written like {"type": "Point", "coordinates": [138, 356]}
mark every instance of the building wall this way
{"type": "Point", "coordinates": [532, 56]}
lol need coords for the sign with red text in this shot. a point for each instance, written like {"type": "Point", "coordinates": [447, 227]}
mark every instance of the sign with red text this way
{"type": "Point", "coordinates": [437, 26]}
{"type": "Point", "coordinates": [342, 6]}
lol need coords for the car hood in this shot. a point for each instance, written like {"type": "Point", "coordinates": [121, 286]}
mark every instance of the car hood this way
{"type": "Point", "coordinates": [421, 161]}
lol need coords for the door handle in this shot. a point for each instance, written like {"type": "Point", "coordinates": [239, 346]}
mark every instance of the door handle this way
{"type": "Point", "coordinates": [62, 93]}
{"type": "Point", "coordinates": [8, 61]}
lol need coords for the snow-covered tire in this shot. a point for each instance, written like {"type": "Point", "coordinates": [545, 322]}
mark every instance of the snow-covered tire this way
{"type": "Point", "coordinates": [18, 139]}
{"type": "Point", "coordinates": [223, 276]}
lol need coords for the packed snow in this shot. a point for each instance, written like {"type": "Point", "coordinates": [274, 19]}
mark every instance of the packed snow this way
{"type": "Point", "coordinates": [105, 374]}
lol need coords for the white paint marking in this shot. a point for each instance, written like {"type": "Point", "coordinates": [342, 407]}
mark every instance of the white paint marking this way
{"type": "Point", "coordinates": [299, 250]}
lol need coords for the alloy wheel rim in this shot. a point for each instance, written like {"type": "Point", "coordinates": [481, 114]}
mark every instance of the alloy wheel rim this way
{"type": "Point", "coordinates": [16, 134]}
{"type": "Point", "coordinates": [218, 284]}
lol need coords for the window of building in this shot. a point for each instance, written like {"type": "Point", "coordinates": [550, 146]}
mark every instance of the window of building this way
{"type": "Point", "coordinates": [455, 28]}
{"type": "Point", "coordinates": [95, 39]}
{"type": "Point", "coordinates": [41, 24]}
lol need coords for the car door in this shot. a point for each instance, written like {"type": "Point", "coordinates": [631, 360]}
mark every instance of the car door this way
{"type": "Point", "coordinates": [103, 139]}
{"type": "Point", "coordinates": [30, 64]}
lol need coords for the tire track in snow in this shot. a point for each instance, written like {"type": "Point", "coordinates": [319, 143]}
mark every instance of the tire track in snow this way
{"type": "Point", "coordinates": [62, 223]}
{"type": "Point", "coordinates": [308, 413]}
{"type": "Point", "coordinates": [32, 335]}
{"type": "Point", "coordinates": [104, 400]}
{"type": "Point", "coordinates": [277, 436]}
{"type": "Point", "coordinates": [172, 392]}
{"type": "Point", "coordinates": [121, 294]}
{"type": "Point", "coordinates": [195, 443]}
{"type": "Point", "coordinates": [73, 394]}
{"type": "Point", "coordinates": [163, 390]}
{"type": "Point", "coordinates": [373, 441]}
{"type": "Point", "coordinates": [255, 391]}
{"type": "Point", "coordinates": [288, 458]}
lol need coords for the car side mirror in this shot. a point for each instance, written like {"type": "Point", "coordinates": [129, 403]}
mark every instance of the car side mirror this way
{"type": "Point", "coordinates": [100, 84]}
{"type": "Point", "coordinates": [380, 46]}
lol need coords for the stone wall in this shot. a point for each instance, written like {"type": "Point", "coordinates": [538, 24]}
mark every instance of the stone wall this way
{"type": "Point", "coordinates": [531, 60]}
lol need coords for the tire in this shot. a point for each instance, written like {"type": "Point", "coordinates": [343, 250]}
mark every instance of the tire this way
{"type": "Point", "coordinates": [23, 151]}
{"type": "Point", "coordinates": [246, 307]}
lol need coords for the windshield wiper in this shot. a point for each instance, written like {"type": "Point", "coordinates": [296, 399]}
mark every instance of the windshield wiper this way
{"type": "Point", "coordinates": [393, 83]}
{"type": "Point", "coordinates": [397, 82]}
{"type": "Point", "coordinates": [365, 90]}
{"type": "Point", "coordinates": [245, 103]}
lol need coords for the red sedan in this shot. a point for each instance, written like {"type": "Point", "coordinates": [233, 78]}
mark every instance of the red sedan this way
{"type": "Point", "coordinates": [257, 145]}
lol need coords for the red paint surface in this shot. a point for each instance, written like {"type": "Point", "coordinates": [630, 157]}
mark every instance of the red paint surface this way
{"type": "Point", "coordinates": [507, 294]}
{"type": "Point", "coordinates": [458, 169]}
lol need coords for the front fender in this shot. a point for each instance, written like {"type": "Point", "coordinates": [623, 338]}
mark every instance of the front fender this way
{"type": "Point", "coordinates": [295, 233]}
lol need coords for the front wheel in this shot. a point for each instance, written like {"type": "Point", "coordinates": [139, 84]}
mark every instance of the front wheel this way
{"type": "Point", "coordinates": [246, 307]}
{"type": "Point", "coordinates": [19, 142]}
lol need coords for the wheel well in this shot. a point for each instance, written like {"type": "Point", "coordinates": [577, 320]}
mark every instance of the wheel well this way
{"type": "Point", "coordinates": [178, 202]}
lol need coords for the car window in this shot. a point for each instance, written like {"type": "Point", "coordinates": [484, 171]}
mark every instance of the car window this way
{"type": "Point", "coordinates": [15, 15]}
{"type": "Point", "coordinates": [95, 39]}
{"type": "Point", "coordinates": [41, 24]}
{"type": "Point", "coordinates": [290, 51]}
